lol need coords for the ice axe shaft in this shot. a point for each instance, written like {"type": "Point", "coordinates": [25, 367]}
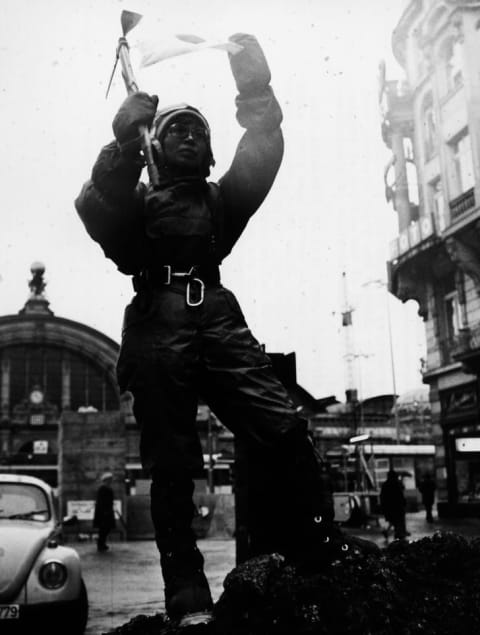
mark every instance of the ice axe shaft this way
{"type": "Point", "coordinates": [128, 21]}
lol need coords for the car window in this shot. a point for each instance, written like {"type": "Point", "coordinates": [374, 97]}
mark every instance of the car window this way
{"type": "Point", "coordinates": [23, 501]}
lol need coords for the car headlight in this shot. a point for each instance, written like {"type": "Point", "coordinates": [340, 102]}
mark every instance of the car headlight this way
{"type": "Point", "coordinates": [53, 574]}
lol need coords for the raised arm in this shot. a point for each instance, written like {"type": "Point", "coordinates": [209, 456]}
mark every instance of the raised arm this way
{"type": "Point", "coordinates": [260, 150]}
{"type": "Point", "coordinates": [111, 201]}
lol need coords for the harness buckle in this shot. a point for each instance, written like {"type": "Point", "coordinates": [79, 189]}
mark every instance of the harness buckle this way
{"type": "Point", "coordinates": [168, 269]}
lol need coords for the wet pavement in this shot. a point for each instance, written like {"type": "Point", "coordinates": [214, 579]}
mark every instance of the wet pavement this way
{"type": "Point", "coordinates": [126, 581]}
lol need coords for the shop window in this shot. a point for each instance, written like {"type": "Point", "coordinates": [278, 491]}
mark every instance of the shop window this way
{"type": "Point", "coordinates": [467, 472]}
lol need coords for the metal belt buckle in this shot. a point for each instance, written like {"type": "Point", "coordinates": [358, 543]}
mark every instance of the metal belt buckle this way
{"type": "Point", "coordinates": [169, 274]}
{"type": "Point", "coordinates": [191, 302]}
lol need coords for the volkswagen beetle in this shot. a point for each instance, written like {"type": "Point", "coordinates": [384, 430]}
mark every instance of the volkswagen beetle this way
{"type": "Point", "coordinates": [41, 583]}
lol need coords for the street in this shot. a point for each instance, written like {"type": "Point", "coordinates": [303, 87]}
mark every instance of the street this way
{"type": "Point", "coordinates": [126, 581]}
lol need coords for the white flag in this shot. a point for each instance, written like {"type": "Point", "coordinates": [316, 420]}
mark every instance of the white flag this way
{"type": "Point", "coordinates": [153, 51]}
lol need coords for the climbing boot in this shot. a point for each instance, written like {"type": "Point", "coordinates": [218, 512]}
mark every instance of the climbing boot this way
{"type": "Point", "coordinates": [188, 600]}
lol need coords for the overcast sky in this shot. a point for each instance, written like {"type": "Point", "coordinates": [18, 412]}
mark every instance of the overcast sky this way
{"type": "Point", "coordinates": [325, 214]}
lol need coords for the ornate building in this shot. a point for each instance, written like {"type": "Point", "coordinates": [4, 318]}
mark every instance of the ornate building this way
{"type": "Point", "coordinates": [48, 366]}
{"type": "Point", "coordinates": [431, 124]}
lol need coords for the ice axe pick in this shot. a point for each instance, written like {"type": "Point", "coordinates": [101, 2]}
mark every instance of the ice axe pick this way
{"type": "Point", "coordinates": [128, 21]}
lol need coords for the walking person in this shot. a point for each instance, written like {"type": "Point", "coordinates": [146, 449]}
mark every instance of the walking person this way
{"type": "Point", "coordinates": [104, 517]}
{"type": "Point", "coordinates": [184, 335]}
{"type": "Point", "coordinates": [393, 505]}
{"type": "Point", "coordinates": [427, 488]}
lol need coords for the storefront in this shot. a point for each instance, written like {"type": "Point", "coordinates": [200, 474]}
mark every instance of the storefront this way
{"type": "Point", "coordinates": [460, 422]}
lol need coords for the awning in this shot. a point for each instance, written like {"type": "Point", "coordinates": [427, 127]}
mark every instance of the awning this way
{"type": "Point", "coordinates": [395, 449]}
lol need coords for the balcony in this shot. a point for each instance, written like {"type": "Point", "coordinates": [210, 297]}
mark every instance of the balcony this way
{"type": "Point", "coordinates": [414, 237]}
{"type": "Point", "coordinates": [462, 204]}
{"type": "Point", "coordinates": [466, 348]}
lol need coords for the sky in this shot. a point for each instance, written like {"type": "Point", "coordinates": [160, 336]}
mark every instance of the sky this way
{"type": "Point", "coordinates": [326, 214]}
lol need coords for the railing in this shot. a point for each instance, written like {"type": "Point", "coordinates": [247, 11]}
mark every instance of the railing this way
{"type": "Point", "coordinates": [462, 203]}
{"type": "Point", "coordinates": [417, 232]}
{"type": "Point", "coordinates": [467, 341]}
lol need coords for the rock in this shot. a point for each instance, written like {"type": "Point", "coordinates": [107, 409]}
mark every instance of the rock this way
{"type": "Point", "coordinates": [431, 586]}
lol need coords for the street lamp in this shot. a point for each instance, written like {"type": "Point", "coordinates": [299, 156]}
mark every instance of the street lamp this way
{"type": "Point", "coordinates": [362, 468]}
{"type": "Point", "coordinates": [383, 284]}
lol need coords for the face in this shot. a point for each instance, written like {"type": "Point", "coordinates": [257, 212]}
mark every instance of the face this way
{"type": "Point", "coordinates": [185, 144]}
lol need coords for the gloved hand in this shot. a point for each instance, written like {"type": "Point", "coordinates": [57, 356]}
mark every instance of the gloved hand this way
{"type": "Point", "coordinates": [249, 66]}
{"type": "Point", "coordinates": [137, 109]}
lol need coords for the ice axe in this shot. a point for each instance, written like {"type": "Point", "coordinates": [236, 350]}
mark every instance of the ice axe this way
{"type": "Point", "coordinates": [129, 20]}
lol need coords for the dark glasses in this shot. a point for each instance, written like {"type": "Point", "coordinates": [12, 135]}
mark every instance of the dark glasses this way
{"type": "Point", "coordinates": [185, 130]}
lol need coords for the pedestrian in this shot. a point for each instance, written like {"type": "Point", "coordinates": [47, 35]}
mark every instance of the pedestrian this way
{"type": "Point", "coordinates": [393, 505]}
{"type": "Point", "coordinates": [184, 335]}
{"type": "Point", "coordinates": [104, 517]}
{"type": "Point", "coordinates": [426, 488]}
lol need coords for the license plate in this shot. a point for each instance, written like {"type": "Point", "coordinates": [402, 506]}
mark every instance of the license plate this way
{"type": "Point", "coordinates": [9, 611]}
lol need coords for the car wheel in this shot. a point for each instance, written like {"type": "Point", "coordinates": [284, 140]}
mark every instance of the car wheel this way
{"type": "Point", "coordinates": [80, 617]}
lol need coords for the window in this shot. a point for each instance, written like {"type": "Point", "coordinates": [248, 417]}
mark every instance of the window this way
{"type": "Point", "coordinates": [453, 316]}
{"type": "Point", "coordinates": [437, 204]}
{"type": "Point", "coordinates": [452, 59]}
{"type": "Point", "coordinates": [412, 178]}
{"type": "Point", "coordinates": [429, 127]}
{"type": "Point", "coordinates": [461, 150]}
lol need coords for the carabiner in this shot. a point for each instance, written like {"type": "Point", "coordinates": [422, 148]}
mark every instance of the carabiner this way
{"type": "Point", "coordinates": [189, 300]}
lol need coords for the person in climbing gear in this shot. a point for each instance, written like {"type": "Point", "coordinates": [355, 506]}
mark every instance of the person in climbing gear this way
{"type": "Point", "coordinates": [184, 335]}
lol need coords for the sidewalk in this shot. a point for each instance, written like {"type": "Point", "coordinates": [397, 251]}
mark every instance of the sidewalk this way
{"type": "Point", "coordinates": [418, 528]}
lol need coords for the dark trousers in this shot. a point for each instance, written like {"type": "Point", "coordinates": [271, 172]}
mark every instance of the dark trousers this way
{"type": "Point", "coordinates": [172, 355]}
{"type": "Point", "coordinates": [102, 537]}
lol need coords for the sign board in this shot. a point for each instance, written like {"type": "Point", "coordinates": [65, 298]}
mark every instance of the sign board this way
{"type": "Point", "coordinates": [37, 419]}
{"type": "Point", "coordinates": [40, 447]}
{"type": "Point", "coordinates": [468, 444]}
{"type": "Point", "coordinates": [85, 509]}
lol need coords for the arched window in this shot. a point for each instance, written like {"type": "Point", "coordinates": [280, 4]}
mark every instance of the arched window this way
{"type": "Point", "coordinates": [43, 365]}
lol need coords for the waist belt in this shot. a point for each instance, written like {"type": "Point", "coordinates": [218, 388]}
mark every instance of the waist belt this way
{"type": "Point", "coordinates": [195, 278]}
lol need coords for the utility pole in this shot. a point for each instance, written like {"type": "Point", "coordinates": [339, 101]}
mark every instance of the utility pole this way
{"type": "Point", "coordinates": [347, 324]}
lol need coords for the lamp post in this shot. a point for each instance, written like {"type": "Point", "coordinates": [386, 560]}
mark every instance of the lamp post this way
{"type": "Point", "coordinates": [383, 284]}
{"type": "Point", "coordinates": [358, 441]}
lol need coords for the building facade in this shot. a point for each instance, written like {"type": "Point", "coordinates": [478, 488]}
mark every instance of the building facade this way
{"type": "Point", "coordinates": [431, 123]}
{"type": "Point", "coordinates": [63, 419]}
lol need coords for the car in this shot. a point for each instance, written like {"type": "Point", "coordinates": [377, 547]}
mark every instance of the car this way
{"type": "Point", "coordinates": [41, 584]}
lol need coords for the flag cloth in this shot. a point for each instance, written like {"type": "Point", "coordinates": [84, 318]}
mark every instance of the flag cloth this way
{"type": "Point", "coordinates": [347, 318]}
{"type": "Point", "coordinates": [153, 51]}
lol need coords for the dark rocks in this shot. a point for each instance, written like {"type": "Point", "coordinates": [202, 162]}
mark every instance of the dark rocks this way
{"type": "Point", "coordinates": [431, 586]}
